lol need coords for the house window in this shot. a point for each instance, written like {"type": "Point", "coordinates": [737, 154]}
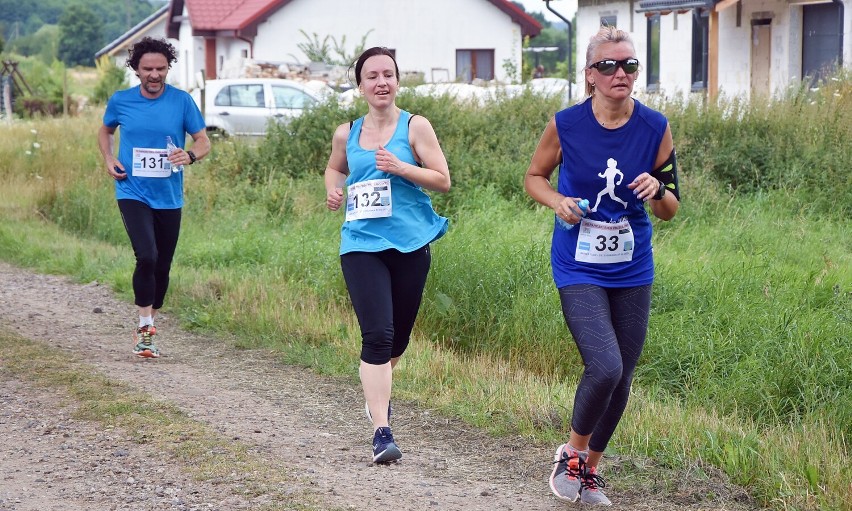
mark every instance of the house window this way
{"type": "Point", "coordinates": [609, 21]}
{"type": "Point", "coordinates": [700, 36]}
{"type": "Point", "coordinates": [652, 65]}
{"type": "Point", "coordinates": [822, 40]}
{"type": "Point", "coordinates": [471, 64]}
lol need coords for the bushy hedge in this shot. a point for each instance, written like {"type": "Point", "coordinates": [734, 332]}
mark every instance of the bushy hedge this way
{"type": "Point", "coordinates": [799, 143]}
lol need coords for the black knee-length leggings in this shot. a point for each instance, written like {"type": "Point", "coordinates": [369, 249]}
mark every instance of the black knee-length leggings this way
{"type": "Point", "coordinates": [385, 288]}
{"type": "Point", "coordinates": [609, 326]}
{"type": "Point", "coordinates": [154, 235]}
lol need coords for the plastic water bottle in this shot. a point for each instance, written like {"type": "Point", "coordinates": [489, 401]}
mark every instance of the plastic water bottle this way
{"type": "Point", "coordinates": [171, 147]}
{"type": "Point", "coordinates": [584, 205]}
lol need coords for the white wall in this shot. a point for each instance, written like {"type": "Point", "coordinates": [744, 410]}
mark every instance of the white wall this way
{"type": "Point", "coordinates": [424, 33]}
{"type": "Point", "coordinates": [734, 64]}
{"type": "Point", "coordinates": [675, 43]}
{"type": "Point", "coordinates": [157, 30]}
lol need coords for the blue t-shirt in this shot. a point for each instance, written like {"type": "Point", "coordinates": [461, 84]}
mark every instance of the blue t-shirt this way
{"type": "Point", "coordinates": [145, 123]}
{"type": "Point", "coordinates": [597, 165]}
{"type": "Point", "coordinates": [413, 222]}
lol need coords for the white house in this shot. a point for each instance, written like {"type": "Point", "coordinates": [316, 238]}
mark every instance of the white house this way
{"type": "Point", "coordinates": [444, 40]}
{"type": "Point", "coordinates": [152, 26]}
{"type": "Point", "coordinates": [732, 47]}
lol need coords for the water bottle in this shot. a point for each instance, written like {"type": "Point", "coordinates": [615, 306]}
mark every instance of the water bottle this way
{"type": "Point", "coordinates": [171, 147]}
{"type": "Point", "coordinates": [584, 205]}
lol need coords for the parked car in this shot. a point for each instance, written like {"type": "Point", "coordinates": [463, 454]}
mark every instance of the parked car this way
{"type": "Point", "coordinates": [245, 106]}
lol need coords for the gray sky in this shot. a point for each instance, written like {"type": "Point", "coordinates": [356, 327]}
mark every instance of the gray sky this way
{"type": "Point", "coordinates": [563, 7]}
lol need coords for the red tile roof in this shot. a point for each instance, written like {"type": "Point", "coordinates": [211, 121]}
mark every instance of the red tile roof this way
{"type": "Point", "coordinates": [230, 14]}
{"type": "Point", "coordinates": [239, 15]}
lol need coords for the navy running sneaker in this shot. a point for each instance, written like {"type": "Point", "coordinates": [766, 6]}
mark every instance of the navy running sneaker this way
{"type": "Point", "coordinates": [384, 447]}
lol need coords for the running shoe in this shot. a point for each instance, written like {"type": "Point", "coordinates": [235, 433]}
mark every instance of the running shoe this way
{"type": "Point", "coordinates": [590, 492]}
{"type": "Point", "coordinates": [384, 447]}
{"type": "Point", "coordinates": [370, 416]}
{"type": "Point", "coordinates": [144, 337]}
{"type": "Point", "coordinates": [568, 467]}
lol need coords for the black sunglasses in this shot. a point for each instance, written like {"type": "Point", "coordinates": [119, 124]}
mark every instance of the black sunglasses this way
{"type": "Point", "coordinates": [607, 67]}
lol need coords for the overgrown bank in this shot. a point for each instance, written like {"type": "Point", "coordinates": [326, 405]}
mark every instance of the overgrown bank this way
{"type": "Point", "coordinates": [753, 276]}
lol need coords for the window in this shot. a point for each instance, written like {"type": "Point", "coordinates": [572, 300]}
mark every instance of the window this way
{"type": "Point", "coordinates": [700, 33]}
{"type": "Point", "coordinates": [822, 40]}
{"type": "Point", "coordinates": [652, 66]}
{"type": "Point", "coordinates": [472, 64]}
{"type": "Point", "coordinates": [249, 95]}
{"type": "Point", "coordinates": [288, 97]}
{"type": "Point", "coordinates": [609, 21]}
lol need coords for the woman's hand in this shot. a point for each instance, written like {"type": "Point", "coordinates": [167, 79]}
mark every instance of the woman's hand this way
{"type": "Point", "coordinates": [386, 161]}
{"type": "Point", "coordinates": [568, 209]}
{"type": "Point", "coordinates": [645, 186]}
{"type": "Point", "coordinates": [334, 199]}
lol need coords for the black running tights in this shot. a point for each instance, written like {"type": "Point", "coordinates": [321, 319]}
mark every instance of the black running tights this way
{"type": "Point", "coordinates": [385, 288]}
{"type": "Point", "coordinates": [153, 234]}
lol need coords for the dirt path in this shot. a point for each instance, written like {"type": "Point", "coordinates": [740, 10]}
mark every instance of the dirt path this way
{"type": "Point", "coordinates": [309, 424]}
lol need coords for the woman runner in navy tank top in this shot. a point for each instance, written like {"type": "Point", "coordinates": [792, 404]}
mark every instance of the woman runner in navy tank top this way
{"type": "Point", "coordinates": [615, 156]}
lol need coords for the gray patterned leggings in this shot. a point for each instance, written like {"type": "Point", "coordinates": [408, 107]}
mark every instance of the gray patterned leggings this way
{"type": "Point", "coordinates": [609, 326]}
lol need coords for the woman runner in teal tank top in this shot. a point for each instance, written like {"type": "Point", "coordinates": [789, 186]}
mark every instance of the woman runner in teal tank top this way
{"type": "Point", "coordinates": [385, 160]}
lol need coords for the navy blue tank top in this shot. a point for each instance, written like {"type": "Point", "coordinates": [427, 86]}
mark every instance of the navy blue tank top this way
{"type": "Point", "coordinates": [598, 164]}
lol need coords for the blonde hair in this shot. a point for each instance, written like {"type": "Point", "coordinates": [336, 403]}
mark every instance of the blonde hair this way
{"type": "Point", "coordinates": [605, 35]}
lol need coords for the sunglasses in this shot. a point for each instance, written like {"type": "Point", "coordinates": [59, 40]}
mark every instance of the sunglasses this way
{"type": "Point", "coordinates": [607, 67]}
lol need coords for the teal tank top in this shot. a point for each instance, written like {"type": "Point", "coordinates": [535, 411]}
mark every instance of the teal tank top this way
{"type": "Point", "coordinates": [412, 223]}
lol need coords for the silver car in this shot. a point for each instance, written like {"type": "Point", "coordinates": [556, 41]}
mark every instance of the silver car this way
{"type": "Point", "coordinates": [245, 106]}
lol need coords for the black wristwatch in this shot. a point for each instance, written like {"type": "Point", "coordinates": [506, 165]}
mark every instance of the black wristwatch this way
{"type": "Point", "coordinates": [657, 196]}
{"type": "Point", "coordinates": [192, 157]}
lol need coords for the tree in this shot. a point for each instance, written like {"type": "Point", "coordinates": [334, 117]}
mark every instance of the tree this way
{"type": "Point", "coordinates": [554, 38]}
{"type": "Point", "coordinates": [80, 36]}
{"type": "Point", "coordinates": [42, 44]}
{"type": "Point", "coordinates": [319, 51]}
{"type": "Point", "coordinates": [111, 77]}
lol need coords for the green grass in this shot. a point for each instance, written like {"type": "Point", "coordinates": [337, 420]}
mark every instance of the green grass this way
{"type": "Point", "coordinates": [748, 362]}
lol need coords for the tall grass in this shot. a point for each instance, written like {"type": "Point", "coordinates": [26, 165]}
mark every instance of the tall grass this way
{"type": "Point", "coordinates": [748, 362]}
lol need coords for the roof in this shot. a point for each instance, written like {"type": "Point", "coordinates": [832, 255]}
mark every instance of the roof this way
{"type": "Point", "coordinates": [673, 5]}
{"type": "Point", "coordinates": [126, 38]}
{"type": "Point", "coordinates": [243, 16]}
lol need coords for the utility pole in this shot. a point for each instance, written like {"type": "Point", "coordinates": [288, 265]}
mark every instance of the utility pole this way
{"type": "Point", "coordinates": [570, 64]}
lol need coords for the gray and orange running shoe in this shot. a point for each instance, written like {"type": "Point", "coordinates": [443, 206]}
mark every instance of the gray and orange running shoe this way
{"type": "Point", "coordinates": [591, 483]}
{"type": "Point", "coordinates": [568, 468]}
{"type": "Point", "coordinates": [144, 337]}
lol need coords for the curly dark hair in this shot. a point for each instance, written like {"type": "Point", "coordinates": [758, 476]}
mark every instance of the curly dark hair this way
{"type": "Point", "coordinates": [150, 45]}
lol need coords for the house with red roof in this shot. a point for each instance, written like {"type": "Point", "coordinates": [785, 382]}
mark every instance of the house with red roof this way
{"type": "Point", "coordinates": [438, 40]}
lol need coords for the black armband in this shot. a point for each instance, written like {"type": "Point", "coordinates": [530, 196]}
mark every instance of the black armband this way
{"type": "Point", "coordinates": [667, 174]}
